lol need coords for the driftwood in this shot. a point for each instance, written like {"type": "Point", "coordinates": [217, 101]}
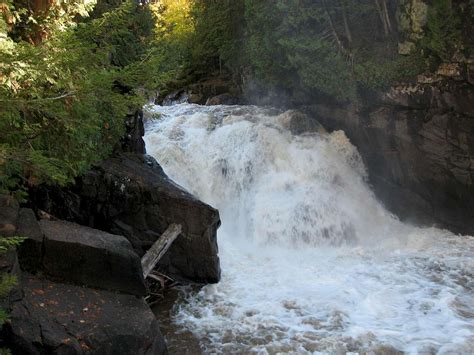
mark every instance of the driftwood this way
{"type": "Point", "coordinates": [156, 252]}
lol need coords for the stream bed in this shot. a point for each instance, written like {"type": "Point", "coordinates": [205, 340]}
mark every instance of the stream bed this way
{"type": "Point", "coordinates": [311, 260]}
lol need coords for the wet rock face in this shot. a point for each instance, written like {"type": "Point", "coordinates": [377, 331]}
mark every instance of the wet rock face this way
{"type": "Point", "coordinates": [177, 97]}
{"type": "Point", "coordinates": [299, 123]}
{"type": "Point", "coordinates": [218, 89]}
{"type": "Point", "coordinates": [130, 195]}
{"type": "Point", "coordinates": [418, 144]}
{"type": "Point", "coordinates": [55, 318]}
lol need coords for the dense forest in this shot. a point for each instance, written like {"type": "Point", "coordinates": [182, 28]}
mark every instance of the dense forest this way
{"type": "Point", "coordinates": [332, 47]}
{"type": "Point", "coordinates": [72, 70]}
{"type": "Point", "coordinates": [70, 73]}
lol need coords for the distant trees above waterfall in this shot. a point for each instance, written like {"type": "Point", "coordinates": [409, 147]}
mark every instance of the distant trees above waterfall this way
{"type": "Point", "coordinates": [334, 47]}
{"type": "Point", "coordinates": [71, 70]}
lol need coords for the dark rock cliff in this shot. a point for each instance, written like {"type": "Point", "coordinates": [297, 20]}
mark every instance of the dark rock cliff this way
{"type": "Point", "coordinates": [417, 141]}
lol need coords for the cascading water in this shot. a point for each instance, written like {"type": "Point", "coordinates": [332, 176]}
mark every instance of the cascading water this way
{"type": "Point", "coordinates": [311, 261]}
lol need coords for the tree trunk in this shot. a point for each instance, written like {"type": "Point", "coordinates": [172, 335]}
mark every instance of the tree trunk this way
{"type": "Point", "coordinates": [40, 8]}
{"type": "Point", "coordinates": [387, 15]}
{"type": "Point", "coordinates": [333, 30]}
{"type": "Point", "coordinates": [382, 16]}
{"type": "Point", "coordinates": [346, 23]}
{"type": "Point", "coordinates": [42, 5]}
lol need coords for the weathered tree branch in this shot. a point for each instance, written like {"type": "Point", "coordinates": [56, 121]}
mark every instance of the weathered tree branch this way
{"type": "Point", "coordinates": [381, 13]}
{"type": "Point", "coordinates": [387, 15]}
{"type": "Point", "coordinates": [62, 96]}
{"type": "Point", "coordinates": [334, 32]}
{"type": "Point", "coordinates": [161, 246]}
{"type": "Point", "coordinates": [346, 22]}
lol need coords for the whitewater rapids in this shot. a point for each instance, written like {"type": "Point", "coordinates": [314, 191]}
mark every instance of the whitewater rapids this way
{"type": "Point", "coordinates": [311, 261]}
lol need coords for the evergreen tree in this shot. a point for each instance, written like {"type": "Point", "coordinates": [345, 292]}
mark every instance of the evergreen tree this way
{"type": "Point", "coordinates": [328, 48]}
{"type": "Point", "coordinates": [68, 80]}
{"type": "Point", "coordinates": [443, 30]}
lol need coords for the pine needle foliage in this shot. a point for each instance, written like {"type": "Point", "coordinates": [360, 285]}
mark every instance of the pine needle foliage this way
{"type": "Point", "coordinates": [67, 82]}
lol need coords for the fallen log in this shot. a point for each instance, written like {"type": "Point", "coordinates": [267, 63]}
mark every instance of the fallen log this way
{"type": "Point", "coordinates": [161, 246]}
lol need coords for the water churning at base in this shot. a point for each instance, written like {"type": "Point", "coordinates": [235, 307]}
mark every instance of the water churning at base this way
{"type": "Point", "coordinates": [312, 262]}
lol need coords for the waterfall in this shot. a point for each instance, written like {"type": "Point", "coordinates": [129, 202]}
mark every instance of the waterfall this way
{"type": "Point", "coordinates": [311, 261]}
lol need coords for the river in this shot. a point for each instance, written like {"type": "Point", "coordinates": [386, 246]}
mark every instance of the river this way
{"type": "Point", "coordinates": [311, 261]}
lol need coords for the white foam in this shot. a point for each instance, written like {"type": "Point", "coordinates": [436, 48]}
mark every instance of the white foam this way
{"type": "Point", "coordinates": [311, 261]}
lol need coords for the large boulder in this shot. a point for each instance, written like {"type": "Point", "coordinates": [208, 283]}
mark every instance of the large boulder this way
{"type": "Point", "coordinates": [222, 99]}
{"type": "Point", "coordinates": [176, 97]}
{"type": "Point", "coordinates": [129, 194]}
{"type": "Point", "coordinates": [91, 257]}
{"type": "Point", "coordinates": [48, 314]}
{"type": "Point", "coordinates": [55, 318]}
{"type": "Point", "coordinates": [299, 123]}
{"type": "Point", "coordinates": [77, 254]}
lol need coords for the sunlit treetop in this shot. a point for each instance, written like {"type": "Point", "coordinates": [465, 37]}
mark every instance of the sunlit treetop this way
{"type": "Point", "coordinates": [173, 17]}
{"type": "Point", "coordinates": [33, 21]}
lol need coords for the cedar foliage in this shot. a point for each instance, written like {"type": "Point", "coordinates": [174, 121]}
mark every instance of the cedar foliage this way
{"type": "Point", "coordinates": [217, 34]}
{"type": "Point", "coordinates": [67, 80]}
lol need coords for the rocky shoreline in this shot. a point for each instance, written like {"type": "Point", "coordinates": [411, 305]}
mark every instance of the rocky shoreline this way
{"type": "Point", "coordinates": [80, 286]}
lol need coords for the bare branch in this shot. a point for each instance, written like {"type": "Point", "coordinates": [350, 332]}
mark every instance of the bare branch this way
{"type": "Point", "coordinates": [60, 97]}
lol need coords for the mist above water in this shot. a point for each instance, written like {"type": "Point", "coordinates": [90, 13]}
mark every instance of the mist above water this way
{"type": "Point", "coordinates": [311, 261]}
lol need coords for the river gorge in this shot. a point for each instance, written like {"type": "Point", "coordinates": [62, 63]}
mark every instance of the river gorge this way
{"type": "Point", "coordinates": [311, 261]}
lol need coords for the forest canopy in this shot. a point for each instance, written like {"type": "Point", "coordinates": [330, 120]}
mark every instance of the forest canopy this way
{"type": "Point", "coordinates": [333, 48]}
{"type": "Point", "coordinates": [70, 71]}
